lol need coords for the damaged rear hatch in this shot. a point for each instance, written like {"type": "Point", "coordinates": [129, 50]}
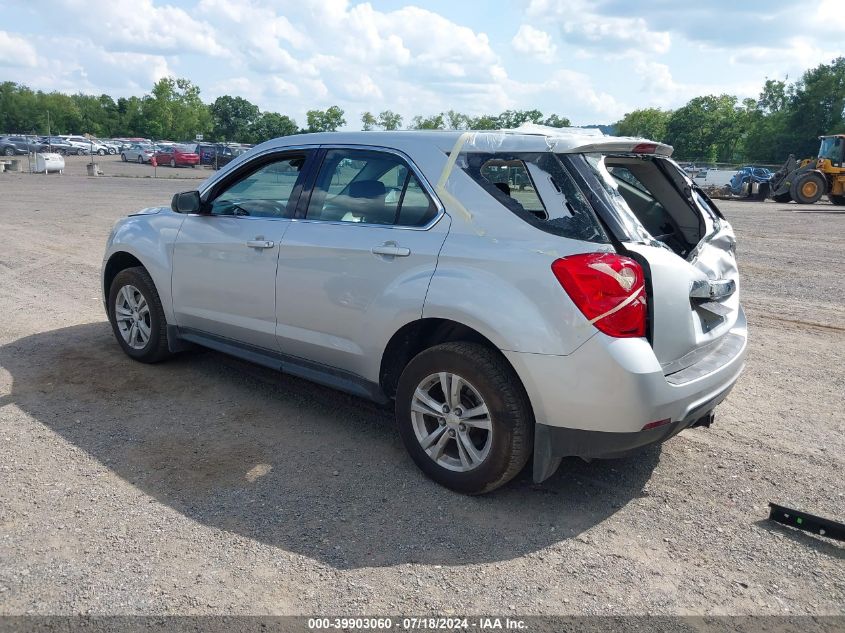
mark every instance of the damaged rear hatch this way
{"type": "Point", "coordinates": [656, 214]}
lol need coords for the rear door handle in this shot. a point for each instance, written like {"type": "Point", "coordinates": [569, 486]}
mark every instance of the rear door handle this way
{"type": "Point", "coordinates": [260, 244]}
{"type": "Point", "coordinates": [391, 250]}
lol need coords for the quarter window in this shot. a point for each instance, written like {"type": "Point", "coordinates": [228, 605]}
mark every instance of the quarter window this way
{"type": "Point", "coordinates": [265, 192]}
{"type": "Point", "coordinates": [369, 187]}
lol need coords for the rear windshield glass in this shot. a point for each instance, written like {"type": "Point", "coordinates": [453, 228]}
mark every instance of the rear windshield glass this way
{"type": "Point", "coordinates": [538, 189]}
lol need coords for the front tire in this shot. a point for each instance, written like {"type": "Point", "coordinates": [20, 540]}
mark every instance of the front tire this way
{"type": "Point", "coordinates": [807, 189]}
{"type": "Point", "coordinates": [137, 317]}
{"type": "Point", "coordinates": [464, 417]}
{"type": "Point", "coordinates": [783, 197]}
{"type": "Point", "coordinates": [123, 157]}
{"type": "Point", "coordinates": [837, 200]}
{"type": "Point", "coordinates": [140, 159]}
{"type": "Point", "coordinates": [173, 162]}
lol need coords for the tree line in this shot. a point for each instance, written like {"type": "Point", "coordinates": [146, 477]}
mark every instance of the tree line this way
{"type": "Point", "coordinates": [785, 118]}
{"type": "Point", "coordinates": [174, 110]}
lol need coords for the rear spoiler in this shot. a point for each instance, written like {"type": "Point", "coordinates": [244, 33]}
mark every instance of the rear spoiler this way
{"type": "Point", "coordinates": [617, 145]}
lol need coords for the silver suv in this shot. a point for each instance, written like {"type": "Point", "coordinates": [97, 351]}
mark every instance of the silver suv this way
{"type": "Point", "coordinates": [542, 293]}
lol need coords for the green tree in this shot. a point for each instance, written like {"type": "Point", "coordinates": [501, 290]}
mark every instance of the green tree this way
{"type": "Point", "coordinates": [325, 120]}
{"type": "Point", "coordinates": [433, 122]}
{"type": "Point", "coordinates": [271, 125]}
{"type": "Point", "coordinates": [368, 121]}
{"type": "Point", "coordinates": [554, 120]}
{"type": "Point", "coordinates": [647, 123]}
{"type": "Point", "coordinates": [232, 117]}
{"type": "Point", "coordinates": [514, 118]}
{"type": "Point", "coordinates": [456, 120]}
{"type": "Point", "coordinates": [484, 122]}
{"type": "Point", "coordinates": [389, 120]}
{"type": "Point", "coordinates": [707, 128]}
{"type": "Point", "coordinates": [175, 111]}
{"type": "Point", "coordinates": [816, 107]}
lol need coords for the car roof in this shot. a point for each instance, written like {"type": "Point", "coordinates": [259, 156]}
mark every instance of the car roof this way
{"type": "Point", "coordinates": [528, 138]}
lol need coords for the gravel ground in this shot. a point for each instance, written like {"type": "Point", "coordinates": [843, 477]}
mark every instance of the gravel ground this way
{"type": "Point", "coordinates": [206, 485]}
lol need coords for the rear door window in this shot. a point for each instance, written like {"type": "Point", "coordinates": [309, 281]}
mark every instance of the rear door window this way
{"type": "Point", "coordinates": [369, 187]}
{"type": "Point", "coordinates": [538, 189]}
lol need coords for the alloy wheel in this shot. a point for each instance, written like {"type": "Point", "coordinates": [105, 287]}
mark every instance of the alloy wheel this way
{"type": "Point", "coordinates": [133, 318]}
{"type": "Point", "coordinates": [451, 422]}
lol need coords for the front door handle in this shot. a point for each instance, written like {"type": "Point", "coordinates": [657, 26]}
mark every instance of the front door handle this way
{"type": "Point", "coordinates": [391, 250]}
{"type": "Point", "coordinates": [259, 243]}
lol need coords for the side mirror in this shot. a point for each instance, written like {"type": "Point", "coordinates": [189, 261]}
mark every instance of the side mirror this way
{"type": "Point", "coordinates": [187, 202]}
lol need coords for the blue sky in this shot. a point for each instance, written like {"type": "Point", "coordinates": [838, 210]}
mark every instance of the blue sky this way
{"type": "Point", "coordinates": [590, 60]}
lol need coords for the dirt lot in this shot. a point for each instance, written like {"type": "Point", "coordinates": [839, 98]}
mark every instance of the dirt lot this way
{"type": "Point", "coordinates": [206, 485]}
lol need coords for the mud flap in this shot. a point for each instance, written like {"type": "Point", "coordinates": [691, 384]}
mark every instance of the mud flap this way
{"type": "Point", "coordinates": [545, 463]}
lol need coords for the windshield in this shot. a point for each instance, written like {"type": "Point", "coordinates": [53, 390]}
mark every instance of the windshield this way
{"type": "Point", "coordinates": [831, 148]}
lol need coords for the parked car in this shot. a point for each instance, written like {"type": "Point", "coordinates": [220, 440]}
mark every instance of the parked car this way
{"type": "Point", "coordinates": [12, 145]}
{"type": "Point", "coordinates": [138, 153]}
{"type": "Point", "coordinates": [111, 147]}
{"type": "Point", "coordinates": [592, 312]}
{"type": "Point", "coordinates": [88, 144]}
{"type": "Point", "coordinates": [58, 145]}
{"type": "Point", "coordinates": [176, 156]}
{"type": "Point", "coordinates": [217, 155]}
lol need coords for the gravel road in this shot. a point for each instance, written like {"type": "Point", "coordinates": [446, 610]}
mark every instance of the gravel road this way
{"type": "Point", "coordinates": [206, 485]}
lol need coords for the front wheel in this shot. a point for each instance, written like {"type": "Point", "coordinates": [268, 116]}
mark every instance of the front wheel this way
{"type": "Point", "coordinates": [101, 152]}
{"type": "Point", "coordinates": [837, 200]}
{"type": "Point", "coordinates": [172, 162]}
{"type": "Point", "coordinates": [9, 151]}
{"type": "Point", "coordinates": [137, 317]}
{"type": "Point", "coordinates": [808, 188]}
{"type": "Point", "coordinates": [782, 197]}
{"type": "Point", "coordinates": [464, 417]}
{"type": "Point", "coordinates": [140, 159]}
{"type": "Point", "coordinates": [123, 157]}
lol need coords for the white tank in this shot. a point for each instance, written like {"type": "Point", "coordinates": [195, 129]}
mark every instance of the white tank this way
{"type": "Point", "coordinates": [48, 162]}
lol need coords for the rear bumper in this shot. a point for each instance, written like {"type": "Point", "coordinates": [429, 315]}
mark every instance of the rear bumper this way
{"type": "Point", "coordinates": [552, 443]}
{"type": "Point", "coordinates": [596, 401]}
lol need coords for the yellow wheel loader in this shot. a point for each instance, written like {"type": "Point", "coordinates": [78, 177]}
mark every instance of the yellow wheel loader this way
{"type": "Point", "coordinates": [809, 180]}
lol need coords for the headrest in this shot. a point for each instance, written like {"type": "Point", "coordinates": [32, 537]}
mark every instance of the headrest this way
{"type": "Point", "coordinates": [366, 189]}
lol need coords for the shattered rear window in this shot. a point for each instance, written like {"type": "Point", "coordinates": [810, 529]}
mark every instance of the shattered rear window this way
{"type": "Point", "coordinates": [537, 188]}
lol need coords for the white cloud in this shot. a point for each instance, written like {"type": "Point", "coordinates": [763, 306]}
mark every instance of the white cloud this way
{"type": "Point", "coordinates": [135, 25]}
{"type": "Point", "coordinates": [16, 51]}
{"type": "Point", "coordinates": [534, 43]}
{"type": "Point", "coordinates": [582, 24]}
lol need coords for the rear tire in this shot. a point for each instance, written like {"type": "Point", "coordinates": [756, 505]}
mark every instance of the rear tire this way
{"type": "Point", "coordinates": [782, 197]}
{"type": "Point", "coordinates": [141, 327]}
{"type": "Point", "coordinates": [8, 151]}
{"type": "Point", "coordinates": [173, 162]}
{"type": "Point", "coordinates": [807, 189]}
{"type": "Point", "coordinates": [140, 159]}
{"type": "Point", "coordinates": [500, 431]}
{"type": "Point", "coordinates": [837, 200]}
{"type": "Point", "coordinates": [123, 157]}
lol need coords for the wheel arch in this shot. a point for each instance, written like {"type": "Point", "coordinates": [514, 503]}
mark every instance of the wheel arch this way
{"type": "Point", "coordinates": [417, 336]}
{"type": "Point", "coordinates": [119, 260]}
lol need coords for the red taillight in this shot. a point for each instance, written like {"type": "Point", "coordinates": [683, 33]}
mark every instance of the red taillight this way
{"type": "Point", "coordinates": [654, 425]}
{"type": "Point", "coordinates": [608, 288]}
{"type": "Point", "coordinates": [645, 148]}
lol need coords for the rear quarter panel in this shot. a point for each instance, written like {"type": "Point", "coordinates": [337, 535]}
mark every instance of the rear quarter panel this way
{"type": "Point", "coordinates": [494, 275]}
